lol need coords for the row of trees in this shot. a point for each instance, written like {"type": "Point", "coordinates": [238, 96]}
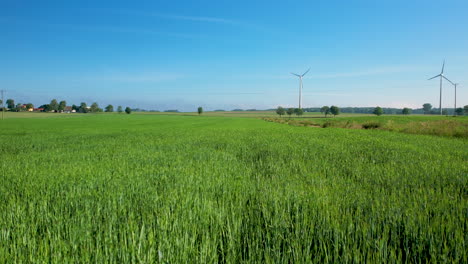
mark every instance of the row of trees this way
{"type": "Point", "coordinates": [56, 106]}
{"type": "Point", "coordinates": [10, 103]}
{"type": "Point", "coordinates": [379, 111]}
{"type": "Point", "coordinates": [334, 110]}
{"type": "Point", "coordinates": [94, 108]}
{"type": "Point", "coordinates": [299, 111]}
{"type": "Point", "coordinates": [428, 110]}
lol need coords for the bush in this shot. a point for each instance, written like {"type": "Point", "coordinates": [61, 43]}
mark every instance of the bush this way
{"type": "Point", "coordinates": [371, 125]}
{"type": "Point", "coordinates": [327, 124]}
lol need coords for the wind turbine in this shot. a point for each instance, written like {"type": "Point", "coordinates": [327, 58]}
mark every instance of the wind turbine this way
{"type": "Point", "coordinates": [300, 85]}
{"type": "Point", "coordinates": [441, 75]}
{"type": "Point", "coordinates": [455, 109]}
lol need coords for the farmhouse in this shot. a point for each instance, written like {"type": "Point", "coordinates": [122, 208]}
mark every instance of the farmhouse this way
{"type": "Point", "coordinates": [25, 107]}
{"type": "Point", "coordinates": [68, 109]}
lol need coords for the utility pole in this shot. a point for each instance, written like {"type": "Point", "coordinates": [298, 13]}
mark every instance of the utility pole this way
{"type": "Point", "coordinates": [3, 106]}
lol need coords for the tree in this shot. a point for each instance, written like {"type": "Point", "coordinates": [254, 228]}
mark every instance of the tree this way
{"type": "Point", "coordinates": [406, 111]}
{"type": "Point", "coordinates": [298, 111]}
{"type": "Point", "coordinates": [465, 109]}
{"type": "Point", "coordinates": [459, 111]}
{"type": "Point", "coordinates": [427, 107]}
{"type": "Point", "coordinates": [10, 103]}
{"type": "Point", "coordinates": [110, 108]}
{"type": "Point", "coordinates": [334, 110]}
{"type": "Point", "coordinates": [83, 108]}
{"type": "Point", "coordinates": [75, 107]}
{"type": "Point", "coordinates": [61, 106]}
{"type": "Point", "coordinates": [54, 105]}
{"type": "Point", "coordinates": [128, 110]}
{"type": "Point", "coordinates": [445, 112]}
{"type": "Point", "coordinates": [17, 108]}
{"type": "Point", "coordinates": [290, 111]}
{"type": "Point", "coordinates": [200, 110]}
{"type": "Point", "coordinates": [280, 111]}
{"type": "Point", "coordinates": [119, 109]}
{"type": "Point", "coordinates": [45, 108]}
{"type": "Point", "coordinates": [378, 111]}
{"type": "Point", "coordinates": [325, 110]}
{"type": "Point", "coordinates": [94, 107]}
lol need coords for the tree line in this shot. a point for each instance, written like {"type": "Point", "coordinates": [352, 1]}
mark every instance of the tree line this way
{"type": "Point", "coordinates": [59, 107]}
{"type": "Point", "coordinates": [427, 109]}
{"type": "Point", "coordinates": [334, 110]}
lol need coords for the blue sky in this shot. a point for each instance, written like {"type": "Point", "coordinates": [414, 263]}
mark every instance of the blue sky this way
{"type": "Point", "coordinates": [233, 54]}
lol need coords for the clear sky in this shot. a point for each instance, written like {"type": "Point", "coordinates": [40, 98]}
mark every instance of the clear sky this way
{"type": "Point", "coordinates": [233, 54]}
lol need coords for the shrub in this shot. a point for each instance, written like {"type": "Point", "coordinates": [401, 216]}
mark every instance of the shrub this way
{"type": "Point", "coordinates": [371, 125]}
{"type": "Point", "coordinates": [327, 124]}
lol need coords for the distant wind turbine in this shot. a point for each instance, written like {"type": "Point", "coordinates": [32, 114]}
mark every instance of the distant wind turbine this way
{"type": "Point", "coordinates": [441, 75]}
{"type": "Point", "coordinates": [455, 109]}
{"type": "Point", "coordinates": [300, 85]}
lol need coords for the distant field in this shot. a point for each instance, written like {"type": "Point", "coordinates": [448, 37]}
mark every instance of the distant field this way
{"type": "Point", "coordinates": [251, 114]}
{"type": "Point", "coordinates": [254, 114]}
{"type": "Point", "coordinates": [169, 188]}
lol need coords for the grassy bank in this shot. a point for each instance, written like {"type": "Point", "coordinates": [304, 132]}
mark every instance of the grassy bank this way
{"type": "Point", "coordinates": [424, 125]}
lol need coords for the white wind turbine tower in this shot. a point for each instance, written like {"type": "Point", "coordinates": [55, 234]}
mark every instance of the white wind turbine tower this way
{"type": "Point", "coordinates": [441, 75]}
{"type": "Point", "coordinates": [300, 85]}
{"type": "Point", "coordinates": [455, 108]}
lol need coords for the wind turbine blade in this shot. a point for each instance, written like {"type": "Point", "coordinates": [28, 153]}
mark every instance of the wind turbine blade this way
{"type": "Point", "coordinates": [295, 74]}
{"type": "Point", "coordinates": [448, 80]}
{"type": "Point", "coordinates": [443, 66]}
{"type": "Point", "coordinates": [306, 72]}
{"type": "Point", "coordinates": [438, 75]}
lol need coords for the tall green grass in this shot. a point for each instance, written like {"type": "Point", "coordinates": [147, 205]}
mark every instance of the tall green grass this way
{"type": "Point", "coordinates": [422, 125]}
{"type": "Point", "coordinates": [174, 189]}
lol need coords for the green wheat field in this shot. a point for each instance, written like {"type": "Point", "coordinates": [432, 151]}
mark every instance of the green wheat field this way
{"type": "Point", "coordinates": [155, 188]}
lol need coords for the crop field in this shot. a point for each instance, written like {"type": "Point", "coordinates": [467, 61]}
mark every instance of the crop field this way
{"type": "Point", "coordinates": [196, 189]}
